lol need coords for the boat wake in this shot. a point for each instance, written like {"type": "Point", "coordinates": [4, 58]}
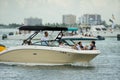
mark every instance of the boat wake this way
{"type": "Point", "coordinates": [79, 64]}
{"type": "Point", "coordinates": [82, 64]}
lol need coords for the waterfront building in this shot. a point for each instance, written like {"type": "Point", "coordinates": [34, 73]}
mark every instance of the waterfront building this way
{"type": "Point", "coordinates": [32, 21]}
{"type": "Point", "coordinates": [90, 19]}
{"type": "Point", "coordinates": [69, 19]}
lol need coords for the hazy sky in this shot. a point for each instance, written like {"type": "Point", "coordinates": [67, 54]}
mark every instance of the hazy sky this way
{"type": "Point", "coordinates": [14, 11]}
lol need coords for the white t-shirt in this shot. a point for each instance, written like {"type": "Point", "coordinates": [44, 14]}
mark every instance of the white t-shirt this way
{"type": "Point", "coordinates": [78, 47]}
{"type": "Point", "coordinates": [44, 38]}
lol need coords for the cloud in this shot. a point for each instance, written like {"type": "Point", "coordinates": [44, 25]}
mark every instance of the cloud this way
{"type": "Point", "coordinates": [60, 3]}
{"type": "Point", "coordinates": [52, 10]}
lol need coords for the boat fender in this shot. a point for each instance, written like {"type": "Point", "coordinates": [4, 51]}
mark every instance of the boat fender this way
{"type": "Point", "coordinates": [2, 47]}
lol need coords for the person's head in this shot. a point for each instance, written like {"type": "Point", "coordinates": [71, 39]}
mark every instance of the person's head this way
{"type": "Point", "coordinates": [80, 43]}
{"type": "Point", "coordinates": [46, 34]}
{"type": "Point", "coordinates": [60, 43]}
{"type": "Point", "coordinates": [92, 43]}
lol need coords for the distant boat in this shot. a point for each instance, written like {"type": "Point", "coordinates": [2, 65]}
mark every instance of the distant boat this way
{"type": "Point", "coordinates": [101, 30]}
{"type": "Point", "coordinates": [79, 37]}
{"type": "Point", "coordinates": [50, 53]}
{"type": "Point", "coordinates": [22, 35]}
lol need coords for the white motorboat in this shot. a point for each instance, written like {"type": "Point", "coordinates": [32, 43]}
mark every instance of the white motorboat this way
{"type": "Point", "coordinates": [75, 35]}
{"type": "Point", "coordinates": [50, 53]}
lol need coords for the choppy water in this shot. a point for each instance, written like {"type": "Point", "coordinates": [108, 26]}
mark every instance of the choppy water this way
{"type": "Point", "coordinates": [105, 66]}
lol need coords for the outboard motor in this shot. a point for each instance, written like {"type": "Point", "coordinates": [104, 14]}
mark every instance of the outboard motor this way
{"type": "Point", "coordinates": [100, 37]}
{"type": "Point", "coordinates": [118, 37]}
{"type": "Point", "coordinates": [4, 36]}
{"type": "Point", "coordinates": [2, 47]}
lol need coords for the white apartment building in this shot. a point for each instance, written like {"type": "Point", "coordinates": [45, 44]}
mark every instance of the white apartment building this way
{"type": "Point", "coordinates": [90, 19]}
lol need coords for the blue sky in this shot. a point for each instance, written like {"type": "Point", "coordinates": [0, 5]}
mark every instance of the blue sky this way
{"type": "Point", "coordinates": [51, 11]}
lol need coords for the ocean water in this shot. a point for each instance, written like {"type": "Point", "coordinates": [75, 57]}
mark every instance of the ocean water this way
{"type": "Point", "coordinates": [105, 66]}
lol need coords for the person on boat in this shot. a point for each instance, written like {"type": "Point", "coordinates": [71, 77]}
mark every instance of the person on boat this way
{"type": "Point", "coordinates": [61, 44]}
{"type": "Point", "coordinates": [83, 34]}
{"type": "Point", "coordinates": [86, 35]}
{"type": "Point", "coordinates": [92, 45]}
{"type": "Point", "coordinates": [80, 46]}
{"type": "Point", "coordinates": [89, 35]}
{"type": "Point", "coordinates": [45, 39]}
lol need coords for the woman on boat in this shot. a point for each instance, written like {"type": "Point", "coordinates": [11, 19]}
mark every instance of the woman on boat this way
{"type": "Point", "coordinates": [92, 45]}
{"type": "Point", "coordinates": [80, 46]}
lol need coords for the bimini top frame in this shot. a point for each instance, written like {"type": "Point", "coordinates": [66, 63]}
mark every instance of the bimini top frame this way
{"type": "Point", "coordinates": [37, 29]}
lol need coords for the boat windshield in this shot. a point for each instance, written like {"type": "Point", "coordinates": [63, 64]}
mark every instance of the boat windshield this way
{"type": "Point", "coordinates": [69, 42]}
{"type": "Point", "coordinates": [46, 43]}
{"type": "Point", "coordinates": [53, 43]}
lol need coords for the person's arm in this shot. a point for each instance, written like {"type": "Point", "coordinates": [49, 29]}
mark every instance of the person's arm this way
{"type": "Point", "coordinates": [94, 48]}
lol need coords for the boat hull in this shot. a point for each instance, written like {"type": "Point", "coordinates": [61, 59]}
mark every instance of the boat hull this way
{"type": "Point", "coordinates": [47, 56]}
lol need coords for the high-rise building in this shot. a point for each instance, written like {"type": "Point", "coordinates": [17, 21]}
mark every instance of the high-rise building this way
{"type": "Point", "coordinates": [69, 19]}
{"type": "Point", "coordinates": [90, 19]}
{"type": "Point", "coordinates": [32, 21]}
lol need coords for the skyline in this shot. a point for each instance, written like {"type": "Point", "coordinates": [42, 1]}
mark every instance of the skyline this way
{"type": "Point", "coordinates": [51, 11]}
